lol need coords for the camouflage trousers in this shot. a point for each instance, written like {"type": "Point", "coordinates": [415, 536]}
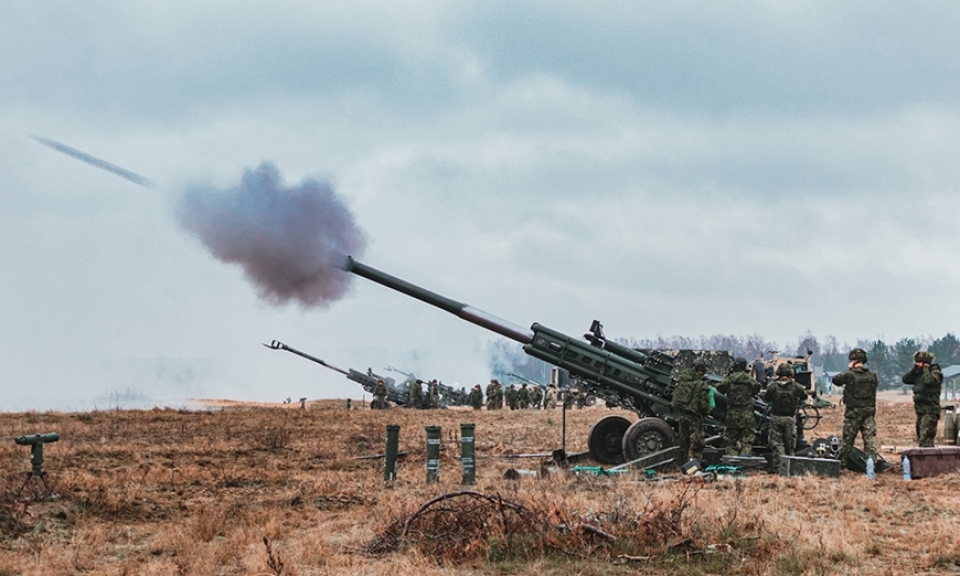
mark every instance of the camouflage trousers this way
{"type": "Point", "coordinates": [782, 437]}
{"type": "Point", "coordinates": [690, 435]}
{"type": "Point", "coordinates": [859, 421]}
{"type": "Point", "coordinates": [379, 403]}
{"type": "Point", "coordinates": [738, 432]}
{"type": "Point", "coordinates": [927, 428]}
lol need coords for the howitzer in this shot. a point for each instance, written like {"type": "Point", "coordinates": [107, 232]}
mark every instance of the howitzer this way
{"type": "Point", "coordinates": [637, 380]}
{"type": "Point", "coordinates": [368, 380]}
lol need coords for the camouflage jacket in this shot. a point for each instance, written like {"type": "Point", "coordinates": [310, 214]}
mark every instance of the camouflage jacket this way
{"type": "Point", "coordinates": [692, 394]}
{"type": "Point", "coordinates": [859, 387]}
{"type": "Point", "coordinates": [476, 398]}
{"type": "Point", "coordinates": [926, 388]}
{"type": "Point", "coordinates": [740, 390]}
{"type": "Point", "coordinates": [784, 397]}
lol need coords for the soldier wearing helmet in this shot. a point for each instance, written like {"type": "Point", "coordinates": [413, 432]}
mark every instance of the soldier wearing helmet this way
{"type": "Point", "coordinates": [785, 397]}
{"type": "Point", "coordinates": [860, 405]}
{"type": "Point", "coordinates": [926, 379]}
{"type": "Point", "coordinates": [691, 403]}
{"type": "Point", "coordinates": [379, 396]}
{"type": "Point", "coordinates": [739, 423]}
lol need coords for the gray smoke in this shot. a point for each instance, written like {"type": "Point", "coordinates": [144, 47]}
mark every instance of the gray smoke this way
{"type": "Point", "coordinates": [290, 241]}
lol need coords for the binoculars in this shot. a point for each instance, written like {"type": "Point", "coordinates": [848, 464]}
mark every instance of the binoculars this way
{"type": "Point", "coordinates": [35, 439]}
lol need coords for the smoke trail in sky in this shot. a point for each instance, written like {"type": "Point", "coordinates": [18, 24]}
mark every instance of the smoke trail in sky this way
{"type": "Point", "coordinates": [94, 161]}
{"type": "Point", "coordinates": [290, 241]}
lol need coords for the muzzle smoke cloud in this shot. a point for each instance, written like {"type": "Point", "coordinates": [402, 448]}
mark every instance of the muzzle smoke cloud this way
{"type": "Point", "coordinates": [290, 241]}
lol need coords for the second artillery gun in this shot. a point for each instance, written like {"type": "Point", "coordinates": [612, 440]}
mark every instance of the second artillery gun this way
{"type": "Point", "coordinates": [637, 380]}
{"type": "Point", "coordinates": [368, 380]}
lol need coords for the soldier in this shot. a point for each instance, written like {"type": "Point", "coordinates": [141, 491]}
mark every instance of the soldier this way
{"type": "Point", "coordinates": [926, 379]}
{"type": "Point", "coordinates": [581, 398]}
{"type": "Point", "coordinates": [550, 398]}
{"type": "Point", "coordinates": [784, 396]}
{"type": "Point", "coordinates": [740, 422]}
{"type": "Point", "coordinates": [476, 397]}
{"type": "Point", "coordinates": [416, 394]}
{"type": "Point", "coordinates": [512, 397]}
{"type": "Point", "coordinates": [536, 397]}
{"type": "Point", "coordinates": [568, 396]}
{"type": "Point", "coordinates": [691, 402]}
{"type": "Point", "coordinates": [492, 395]}
{"type": "Point", "coordinates": [379, 396]}
{"type": "Point", "coordinates": [523, 397]}
{"type": "Point", "coordinates": [434, 394]}
{"type": "Point", "coordinates": [860, 405]}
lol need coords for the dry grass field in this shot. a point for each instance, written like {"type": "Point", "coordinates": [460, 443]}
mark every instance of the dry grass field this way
{"type": "Point", "coordinates": [242, 490]}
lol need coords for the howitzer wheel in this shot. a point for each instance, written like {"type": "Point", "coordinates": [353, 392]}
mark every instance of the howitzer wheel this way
{"type": "Point", "coordinates": [605, 440]}
{"type": "Point", "coordinates": [646, 436]}
{"type": "Point", "coordinates": [810, 415]}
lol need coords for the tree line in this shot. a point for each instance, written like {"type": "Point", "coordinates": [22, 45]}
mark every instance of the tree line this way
{"type": "Point", "coordinates": [889, 360]}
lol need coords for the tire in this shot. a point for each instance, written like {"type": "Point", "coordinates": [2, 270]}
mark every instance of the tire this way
{"type": "Point", "coordinates": [646, 436]}
{"type": "Point", "coordinates": [605, 440]}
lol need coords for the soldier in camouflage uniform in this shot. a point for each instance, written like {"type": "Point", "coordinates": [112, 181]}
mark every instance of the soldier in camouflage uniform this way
{"type": "Point", "coordinates": [512, 397]}
{"type": "Point", "coordinates": [926, 379]}
{"type": "Point", "coordinates": [536, 397]}
{"type": "Point", "coordinates": [492, 395]}
{"type": "Point", "coordinates": [416, 394]}
{"type": "Point", "coordinates": [379, 397]}
{"type": "Point", "coordinates": [860, 405]}
{"type": "Point", "coordinates": [691, 402]}
{"type": "Point", "coordinates": [476, 397]}
{"type": "Point", "coordinates": [740, 390]}
{"type": "Point", "coordinates": [434, 389]}
{"type": "Point", "coordinates": [784, 396]}
{"type": "Point", "coordinates": [523, 397]}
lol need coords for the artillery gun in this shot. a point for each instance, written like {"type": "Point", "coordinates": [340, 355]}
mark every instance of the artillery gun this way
{"type": "Point", "coordinates": [640, 381]}
{"type": "Point", "coordinates": [368, 380]}
{"type": "Point", "coordinates": [449, 396]}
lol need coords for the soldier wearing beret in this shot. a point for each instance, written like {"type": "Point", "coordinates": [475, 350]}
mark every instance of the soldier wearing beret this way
{"type": "Point", "coordinates": [860, 405]}
{"type": "Point", "coordinates": [926, 379]}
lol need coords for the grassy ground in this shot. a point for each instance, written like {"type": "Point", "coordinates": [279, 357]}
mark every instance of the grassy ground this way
{"type": "Point", "coordinates": [276, 490]}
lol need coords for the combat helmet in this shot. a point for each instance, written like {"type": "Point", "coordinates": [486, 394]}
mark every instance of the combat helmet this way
{"type": "Point", "coordinates": [739, 364]}
{"type": "Point", "coordinates": [858, 355]}
{"type": "Point", "coordinates": [924, 356]}
{"type": "Point", "coordinates": [785, 370]}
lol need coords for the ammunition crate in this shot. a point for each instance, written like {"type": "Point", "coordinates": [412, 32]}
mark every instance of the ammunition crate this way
{"type": "Point", "coordinates": [798, 466]}
{"type": "Point", "coordinates": [926, 462]}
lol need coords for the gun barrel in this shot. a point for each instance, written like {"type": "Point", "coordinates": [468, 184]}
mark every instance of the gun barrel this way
{"type": "Point", "coordinates": [459, 309]}
{"type": "Point", "coordinates": [278, 345]}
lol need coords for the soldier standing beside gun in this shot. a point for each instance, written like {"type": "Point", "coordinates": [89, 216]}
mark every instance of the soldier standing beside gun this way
{"type": "Point", "coordinates": [926, 379]}
{"type": "Point", "coordinates": [536, 397]}
{"type": "Point", "coordinates": [784, 396]}
{"type": "Point", "coordinates": [416, 394]}
{"type": "Point", "coordinates": [550, 398]}
{"type": "Point", "coordinates": [691, 401]}
{"type": "Point", "coordinates": [512, 397]}
{"type": "Point", "coordinates": [523, 396]}
{"type": "Point", "coordinates": [740, 422]}
{"type": "Point", "coordinates": [492, 395]}
{"type": "Point", "coordinates": [476, 397]}
{"type": "Point", "coordinates": [860, 405]}
{"type": "Point", "coordinates": [434, 394]}
{"type": "Point", "coordinates": [379, 396]}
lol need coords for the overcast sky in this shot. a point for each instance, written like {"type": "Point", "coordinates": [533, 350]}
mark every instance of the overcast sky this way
{"type": "Point", "coordinates": [668, 168]}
